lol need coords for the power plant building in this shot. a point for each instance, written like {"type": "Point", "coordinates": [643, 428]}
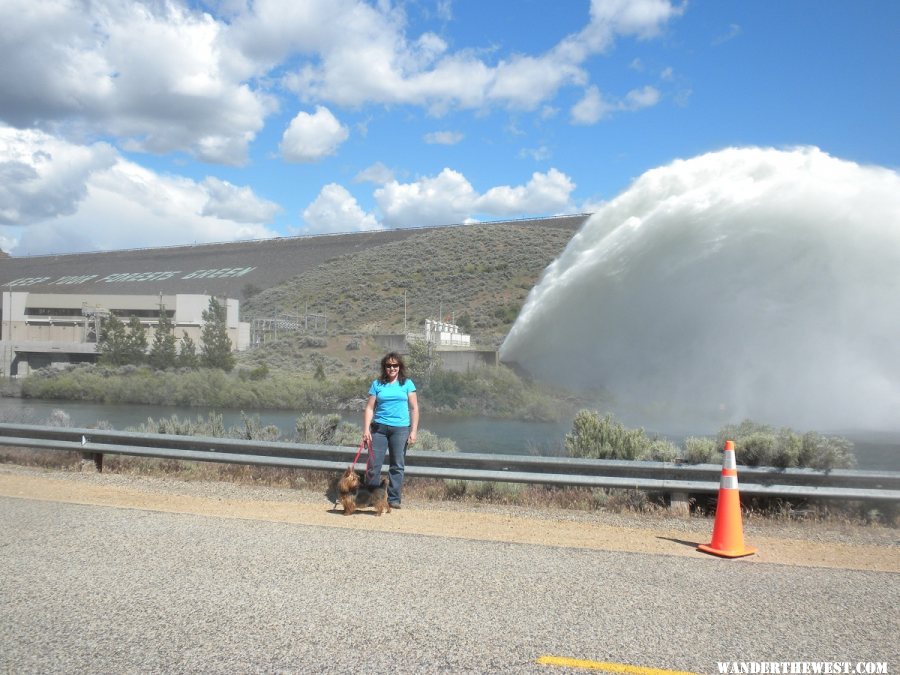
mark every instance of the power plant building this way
{"type": "Point", "coordinates": [43, 329]}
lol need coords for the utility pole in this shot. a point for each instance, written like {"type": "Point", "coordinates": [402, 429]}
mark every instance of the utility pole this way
{"type": "Point", "coordinates": [7, 371]}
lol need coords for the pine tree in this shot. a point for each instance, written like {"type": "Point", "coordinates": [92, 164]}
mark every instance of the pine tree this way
{"type": "Point", "coordinates": [135, 342]}
{"type": "Point", "coordinates": [163, 353]}
{"type": "Point", "coordinates": [112, 343]}
{"type": "Point", "coordinates": [187, 357]}
{"type": "Point", "coordinates": [216, 349]}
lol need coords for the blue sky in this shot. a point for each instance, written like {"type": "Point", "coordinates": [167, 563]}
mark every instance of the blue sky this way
{"type": "Point", "coordinates": [126, 124]}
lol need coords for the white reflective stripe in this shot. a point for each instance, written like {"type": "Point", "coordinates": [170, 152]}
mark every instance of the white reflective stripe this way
{"type": "Point", "coordinates": [728, 461]}
{"type": "Point", "coordinates": [728, 483]}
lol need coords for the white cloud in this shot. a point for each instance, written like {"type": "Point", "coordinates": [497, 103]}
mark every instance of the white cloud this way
{"type": "Point", "coordinates": [158, 76]}
{"type": "Point", "coordinates": [336, 210]}
{"type": "Point", "coordinates": [537, 154]}
{"type": "Point", "coordinates": [444, 9]}
{"type": "Point", "coordinates": [641, 18]}
{"type": "Point", "coordinates": [734, 30]}
{"type": "Point", "coordinates": [444, 199]}
{"type": "Point", "coordinates": [42, 177]}
{"type": "Point", "coordinates": [239, 204]}
{"type": "Point", "coordinates": [549, 112]}
{"type": "Point", "coordinates": [377, 173]}
{"type": "Point", "coordinates": [449, 198]}
{"type": "Point", "coordinates": [365, 56]}
{"type": "Point", "coordinates": [165, 77]}
{"type": "Point", "coordinates": [309, 138]}
{"type": "Point", "coordinates": [60, 197]}
{"type": "Point", "coordinates": [593, 107]}
{"type": "Point", "coordinates": [544, 193]}
{"type": "Point", "coordinates": [637, 99]}
{"type": "Point", "coordinates": [444, 137]}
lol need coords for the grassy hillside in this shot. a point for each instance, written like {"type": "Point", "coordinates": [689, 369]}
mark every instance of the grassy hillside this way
{"type": "Point", "coordinates": [476, 275]}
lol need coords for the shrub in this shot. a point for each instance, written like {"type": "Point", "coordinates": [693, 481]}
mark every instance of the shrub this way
{"type": "Point", "coordinates": [211, 426]}
{"type": "Point", "coordinates": [426, 440]}
{"type": "Point", "coordinates": [326, 430]}
{"type": "Point", "coordinates": [258, 373]}
{"type": "Point", "coordinates": [253, 430]}
{"type": "Point", "coordinates": [596, 437]}
{"type": "Point", "coordinates": [700, 450]}
{"type": "Point", "coordinates": [662, 450]}
{"type": "Point", "coordinates": [757, 449]}
{"type": "Point", "coordinates": [826, 452]}
{"type": "Point", "coordinates": [761, 445]}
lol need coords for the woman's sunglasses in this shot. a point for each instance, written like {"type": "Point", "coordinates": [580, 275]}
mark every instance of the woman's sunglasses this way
{"type": "Point", "coordinates": [391, 365]}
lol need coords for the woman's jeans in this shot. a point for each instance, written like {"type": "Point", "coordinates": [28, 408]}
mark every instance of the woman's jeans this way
{"type": "Point", "coordinates": [386, 438]}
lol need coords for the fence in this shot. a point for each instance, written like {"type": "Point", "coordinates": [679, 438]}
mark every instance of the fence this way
{"type": "Point", "coordinates": [677, 479]}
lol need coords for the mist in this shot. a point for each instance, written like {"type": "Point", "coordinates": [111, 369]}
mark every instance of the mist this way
{"type": "Point", "coordinates": [746, 283]}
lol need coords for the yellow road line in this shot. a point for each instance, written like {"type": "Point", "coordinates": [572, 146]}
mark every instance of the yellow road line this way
{"type": "Point", "coordinates": [607, 667]}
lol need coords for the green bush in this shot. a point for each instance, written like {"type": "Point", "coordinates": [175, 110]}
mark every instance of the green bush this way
{"type": "Point", "coordinates": [601, 437]}
{"type": "Point", "coordinates": [701, 450]}
{"type": "Point", "coordinates": [757, 449]}
{"type": "Point", "coordinates": [174, 426]}
{"type": "Point", "coordinates": [663, 450]}
{"type": "Point", "coordinates": [597, 437]}
{"type": "Point", "coordinates": [426, 440]}
{"type": "Point", "coordinates": [826, 452]}
{"type": "Point", "coordinates": [327, 430]}
{"type": "Point", "coordinates": [253, 430]}
{"type": "Point", "coordinates": [761, 445]}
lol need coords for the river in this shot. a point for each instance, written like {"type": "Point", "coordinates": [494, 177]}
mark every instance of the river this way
{"type": "Point", "coordinates": [874, 450]}
{"type": "Point", "coordinates": [471, 434]}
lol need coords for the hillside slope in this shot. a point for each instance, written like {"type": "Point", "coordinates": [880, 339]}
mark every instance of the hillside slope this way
{"type": "Point", "coordinates": [476, 275]}
{"type": "Point", "coordinates": [482, 271]}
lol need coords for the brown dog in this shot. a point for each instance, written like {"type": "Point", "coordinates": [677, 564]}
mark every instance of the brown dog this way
{"type": "Point", "coordinates": [354, 496]}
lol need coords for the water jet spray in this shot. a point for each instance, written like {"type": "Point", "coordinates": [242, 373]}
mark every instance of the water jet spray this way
{"type": "Point", "coordinates": [749, 282]}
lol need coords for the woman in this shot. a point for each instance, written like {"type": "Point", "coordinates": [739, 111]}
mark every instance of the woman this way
{"type": "Point", "coordinates": [390, 423]}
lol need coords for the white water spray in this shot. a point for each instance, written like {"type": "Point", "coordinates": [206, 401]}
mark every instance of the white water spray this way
{"type": "Point", "coordinates": [743, 283]}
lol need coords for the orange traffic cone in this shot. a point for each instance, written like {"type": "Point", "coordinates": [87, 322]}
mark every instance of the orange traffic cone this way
{"type": "Point", "coordinates": [728, 532]}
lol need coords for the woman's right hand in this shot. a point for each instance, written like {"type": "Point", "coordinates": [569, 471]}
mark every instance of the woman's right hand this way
{"type": "Point", "coordinates": [367, 437]}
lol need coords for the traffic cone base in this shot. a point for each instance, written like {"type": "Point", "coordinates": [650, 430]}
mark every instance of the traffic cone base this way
{"type": "Point", "coordinates": [707, 548]}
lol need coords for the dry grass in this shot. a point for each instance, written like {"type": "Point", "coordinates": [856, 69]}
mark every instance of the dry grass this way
{"type": "Point", "coordinates": [470, 492]}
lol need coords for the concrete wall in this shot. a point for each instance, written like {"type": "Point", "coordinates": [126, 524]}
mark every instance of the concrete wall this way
{"type": "Point", "coordinates": [464, 360]}
{"type": "Point", "coordinates": [392, 343]}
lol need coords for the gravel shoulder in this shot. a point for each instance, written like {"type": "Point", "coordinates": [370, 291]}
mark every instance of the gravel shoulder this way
{"type": "Point", "coordinates": [826, 545]}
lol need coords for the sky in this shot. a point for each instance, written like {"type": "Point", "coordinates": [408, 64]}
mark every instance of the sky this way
{"type": "Point", "coordinates": [143, 124]}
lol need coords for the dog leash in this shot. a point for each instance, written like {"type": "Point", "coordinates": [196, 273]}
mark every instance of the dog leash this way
{"type": "Point", "coordinates": [359, 450]}
{"type": "Point", "coordinates": [356, 459]}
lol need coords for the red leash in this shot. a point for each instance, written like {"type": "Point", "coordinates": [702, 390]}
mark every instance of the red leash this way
{"type": "Point", "coordinates": [359, 452]}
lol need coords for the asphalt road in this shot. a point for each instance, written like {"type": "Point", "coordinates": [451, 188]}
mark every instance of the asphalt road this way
{"type": "Point", "coordinates": [91, 589]}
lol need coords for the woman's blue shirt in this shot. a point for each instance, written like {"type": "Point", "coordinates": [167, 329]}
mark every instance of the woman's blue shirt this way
{"type": "Point", "coordinates": [392, 402]}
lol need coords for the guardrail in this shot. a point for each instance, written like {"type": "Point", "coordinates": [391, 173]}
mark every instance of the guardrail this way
{"type": "Point", "coordinates": [664, 477]}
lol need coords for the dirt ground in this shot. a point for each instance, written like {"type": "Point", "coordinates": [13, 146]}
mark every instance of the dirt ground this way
{"type": "Point", "coordinates": [800, 544]}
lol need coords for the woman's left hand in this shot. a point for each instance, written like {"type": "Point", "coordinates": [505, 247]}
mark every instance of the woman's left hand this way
{"type": "Point", "coordinates": [412, 438]}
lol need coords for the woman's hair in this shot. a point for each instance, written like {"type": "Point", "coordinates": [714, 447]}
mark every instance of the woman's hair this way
{"type": "Point", "coordinates": [401, 375]}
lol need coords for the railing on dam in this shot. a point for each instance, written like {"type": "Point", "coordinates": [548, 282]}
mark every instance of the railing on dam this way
{"type": "Point", "coordinates": [562, 471]}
